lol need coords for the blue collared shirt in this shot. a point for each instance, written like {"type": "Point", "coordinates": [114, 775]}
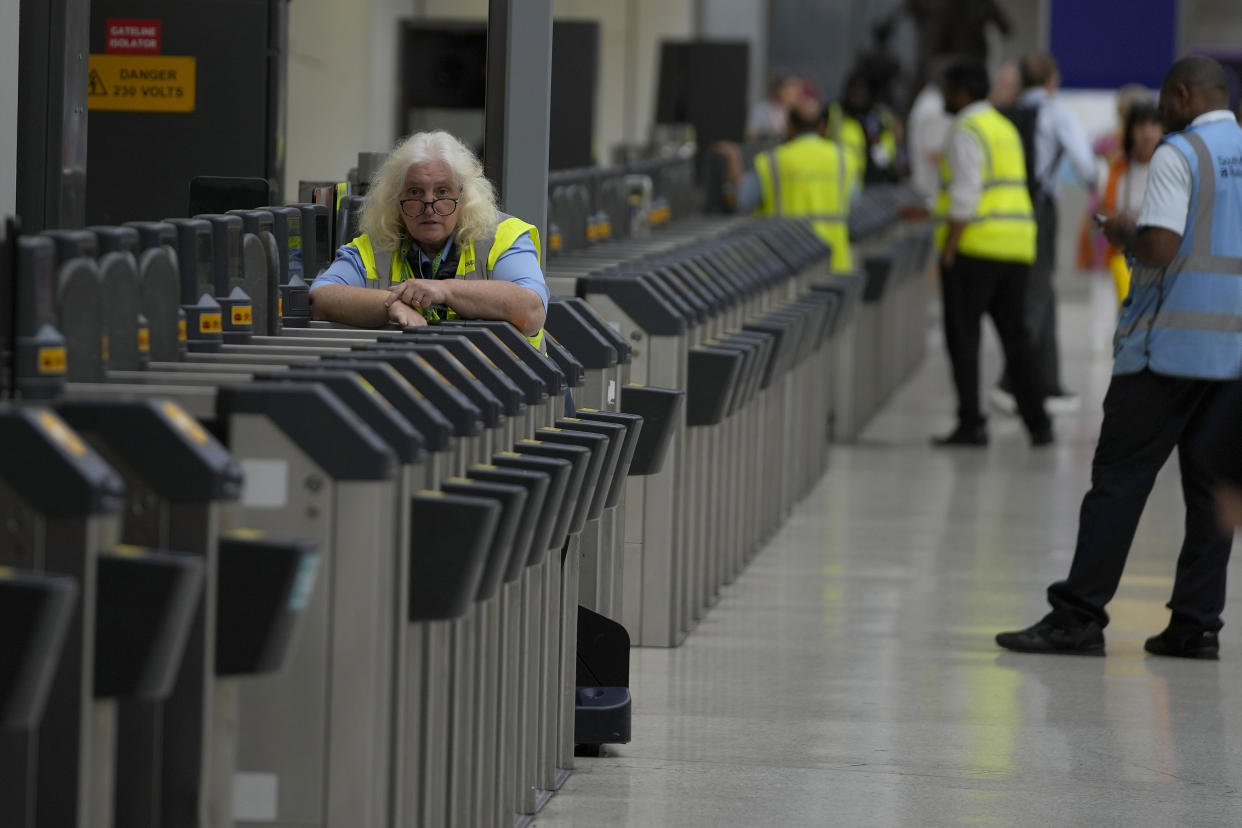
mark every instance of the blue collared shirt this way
{"type": "Point", "coordinates": [519, 265]}
{"type": "Point", "coordinates": [1058, 136]}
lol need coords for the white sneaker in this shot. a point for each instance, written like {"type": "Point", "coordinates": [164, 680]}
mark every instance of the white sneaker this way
{"type": "Point", "coordinates": [1003, 401]}
{"type": "Point", "coordinates": [1064, 404]}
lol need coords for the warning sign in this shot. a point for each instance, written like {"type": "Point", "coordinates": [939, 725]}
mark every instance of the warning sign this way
{"type": "Point", "coordinates": [141, 83]}
{"type": "Point", "coordinates": [127, 36]}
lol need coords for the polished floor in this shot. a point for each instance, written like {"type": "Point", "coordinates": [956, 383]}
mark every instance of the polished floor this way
{"type": "Point", "coordinates": [849, 677]}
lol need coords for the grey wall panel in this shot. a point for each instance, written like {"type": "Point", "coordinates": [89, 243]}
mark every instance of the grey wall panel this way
{"type": "Point", "coordinates": [8, 106]}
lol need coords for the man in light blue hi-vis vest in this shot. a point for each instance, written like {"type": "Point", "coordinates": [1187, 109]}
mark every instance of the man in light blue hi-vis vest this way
{"type": "Point", "coordinates": [1178, 346]}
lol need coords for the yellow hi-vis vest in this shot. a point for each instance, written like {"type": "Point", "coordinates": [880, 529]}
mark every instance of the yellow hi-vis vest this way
{"type": "Point", "coordinates": [849, 134]}
{"type": "Point", "coordinates": [1003, 227]}
{"type": "Point", "coordinates": [810, 178]}
{"type": "Point", "coordinates": [384, 270]}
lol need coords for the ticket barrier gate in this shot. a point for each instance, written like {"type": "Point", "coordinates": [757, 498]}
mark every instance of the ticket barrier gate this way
{"type": "Point", "coordinates": [604, 357]}
{"type": "Point", "coordinates": [124, 641]}
{"type": "Point", "coordinates": [908, 320]}
{"type": "Point", "coordinates": [259, 791]}
{"type": "Point", "coordinates": [891, 320]}
{"type": "Point", "coordinates": [38, 359]}
{"type": "Point", "coordinates": [106, 390]}
{"type": "Point", "coordinates": [587, 453]}
{"type": "Point", "coordinates": [159, 279]}
{"type": "Point", "coordinates": [687, 305]}
{"type": "Point", "coordinates": [317, 249]}
{"type": "Point", "coordinates": [659, 335]}
{"type": "Point", "coordinates": [544, 365]}
{"type": "Point", "coordinates": [477, 368]}
{"type": "Point", "coordinates": [256, 789]}
{"type": "Point", "coordinates": [510, 331]}
{"type": "Point", "coordinates": [175, 758]}
{"type": "Point", "coordinates": [297, 249]}
{"type": "Point", "coordinates": [540, 365]}
{"type": "Point", "coordinates": [237, 263]}
{"type": "Point", "coordinates": [847, 289]}
{"type": "Point", "coordinates": [118, 249]}
{"type": "Point", "coordinates": [314, 740]}
{"type": "Point", "coordinates": [203, 313]}
{"type": "Point", "coordinates": [360, 354]}
{"type": "Point", "coordinates": [604, 375]}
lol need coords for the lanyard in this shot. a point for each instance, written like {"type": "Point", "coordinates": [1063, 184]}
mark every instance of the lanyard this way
{"type": "Point", "coordinates": [435, 263]}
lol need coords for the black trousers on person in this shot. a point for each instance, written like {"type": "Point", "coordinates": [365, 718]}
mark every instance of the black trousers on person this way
{"type": "Point", "coordinates": [969, 289]}
{"type": "Point", "coordinates": [1041, 304]}
{"type": "Point", "coordinates": [1146, 416]}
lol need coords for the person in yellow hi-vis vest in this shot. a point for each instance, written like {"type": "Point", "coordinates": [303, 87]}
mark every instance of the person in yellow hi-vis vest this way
{"type": "Point", "coordinates": [807, 177]}
{"type": "Point", "coordinates": [986, 240]}
{"type": "Point", "coordinates": [434, 247]}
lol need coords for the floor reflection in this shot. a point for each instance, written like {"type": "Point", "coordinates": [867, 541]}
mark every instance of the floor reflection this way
{"type": "Point", "coordinates": [849, 677]}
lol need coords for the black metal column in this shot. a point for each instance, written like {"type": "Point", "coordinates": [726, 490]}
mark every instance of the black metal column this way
{"type": "Point", "coordinates": [519, 97]}
{"type": "Point", "coordinates": [52, 85]}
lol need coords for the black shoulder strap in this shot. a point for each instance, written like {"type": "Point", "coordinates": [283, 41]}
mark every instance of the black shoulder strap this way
{"type": "Point", "coordinates": [1025, 118]}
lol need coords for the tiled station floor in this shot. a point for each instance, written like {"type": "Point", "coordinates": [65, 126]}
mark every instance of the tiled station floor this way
{"type": "Point", "coordinates": [849, 677]}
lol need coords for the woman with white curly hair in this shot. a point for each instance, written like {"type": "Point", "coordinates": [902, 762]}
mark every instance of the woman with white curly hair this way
{"type": "Point", "coordinates": [433, 247]}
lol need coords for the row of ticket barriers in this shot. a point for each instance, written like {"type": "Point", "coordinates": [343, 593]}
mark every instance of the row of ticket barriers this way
{"type": "Point", "coordinates": [257, 570]}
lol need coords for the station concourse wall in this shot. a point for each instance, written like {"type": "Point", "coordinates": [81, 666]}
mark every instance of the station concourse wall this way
{"type": "Point", "coordinates": [343, 89]}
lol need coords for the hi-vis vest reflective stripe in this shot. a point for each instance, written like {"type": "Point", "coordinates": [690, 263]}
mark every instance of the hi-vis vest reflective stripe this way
{"type": "Point", "coordinates": [1003, 228]}
{"type": "Point", "coordinates": [381, 269]}
{"type": "Point", "coordinates": [809, 177]}
{"type": "Point", "coordinates": [1186, 320]}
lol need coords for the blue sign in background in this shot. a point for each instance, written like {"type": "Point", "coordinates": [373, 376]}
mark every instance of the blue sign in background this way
{"type": "Point", "coordinates": [1104, 44]}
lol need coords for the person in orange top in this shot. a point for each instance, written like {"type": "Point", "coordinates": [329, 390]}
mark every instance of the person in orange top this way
{"type": "Point", "coordinates": [1127, 180]}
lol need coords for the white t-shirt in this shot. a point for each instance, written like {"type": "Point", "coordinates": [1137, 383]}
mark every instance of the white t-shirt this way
{"type": "Point", "coordinates": [927, 128]}
{"type": "Point", "coordinates": [1167, 201]}
{"type": "Point", "coordinates": [965, 158]}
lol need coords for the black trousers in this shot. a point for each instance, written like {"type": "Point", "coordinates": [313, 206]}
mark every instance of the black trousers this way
{"type": "Point", "coordinates": [1224, 442]}
{"type": "Point", "coordinates": [1041, 304]}
{"type": "Point", "coordinates": [1146, 416]}
{"type": "Point", "coordinates": [969, 289]}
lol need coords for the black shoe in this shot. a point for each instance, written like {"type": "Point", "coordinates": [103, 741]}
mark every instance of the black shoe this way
{"type": "Point", "coordinates": [1048, 637]}
{"type": "Point", "coordinates": [1185, 642]}
{"type": "Point", "coordinates": [964, 436]}
{"type": "Point", "coordinates": [1042, 437]}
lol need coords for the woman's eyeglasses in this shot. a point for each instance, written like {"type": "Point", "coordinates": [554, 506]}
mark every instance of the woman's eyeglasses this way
{"type": "Point", "coordinates": [440, 206]}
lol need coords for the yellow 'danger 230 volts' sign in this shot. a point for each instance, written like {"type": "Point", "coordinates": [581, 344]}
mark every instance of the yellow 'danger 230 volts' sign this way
{"type": "Point", "coordinates": [141, 83]}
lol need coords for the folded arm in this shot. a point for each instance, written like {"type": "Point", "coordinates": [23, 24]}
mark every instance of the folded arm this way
{"type": "Point", "coordinates": [360, 307]}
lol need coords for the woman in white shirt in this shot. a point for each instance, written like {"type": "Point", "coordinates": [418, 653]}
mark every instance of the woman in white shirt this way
{"type": "Point", "coordinates": [1127, 180]}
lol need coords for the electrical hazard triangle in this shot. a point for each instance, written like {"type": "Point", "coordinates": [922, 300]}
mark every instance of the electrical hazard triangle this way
{"type": "Point", "coordinates": [98, 87]}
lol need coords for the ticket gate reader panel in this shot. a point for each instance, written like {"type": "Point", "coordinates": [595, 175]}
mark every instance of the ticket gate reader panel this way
{"type": "Point", "coordinates": [435, 428]}
{"type": "Point", "coordinates": [264, 587]}
{"type": "Point", "coordinates": [465, 416]}
{"type": "Point", "coordinates": [633, 426]}
{"type": "Point", "coordinates": [536, 485]}
{"type": "Point", "coordinates": [577, 495]}
{"type": "Point", "coordinates": [35, 611]}
{"type": "Point", "coordinates": [559, 503]}
{"type": "Point", "coordinates": [661, 410]}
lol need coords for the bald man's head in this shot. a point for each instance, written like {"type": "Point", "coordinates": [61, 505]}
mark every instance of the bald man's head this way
{"type": "Point", "coordinates": [1193, 86]}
